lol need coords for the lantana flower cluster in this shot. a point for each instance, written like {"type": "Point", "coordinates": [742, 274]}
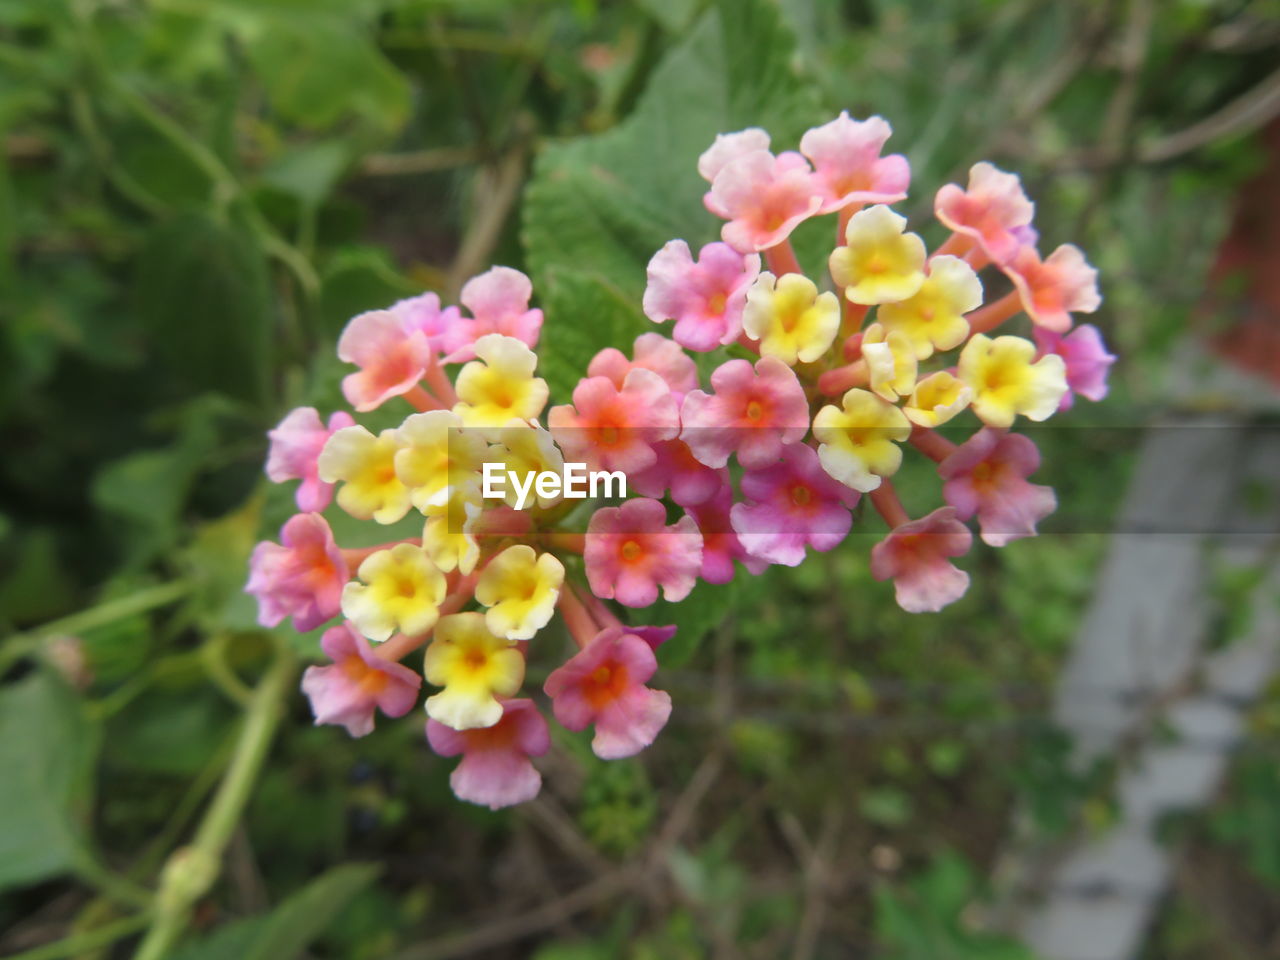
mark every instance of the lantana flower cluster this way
{"type": "Point", "coordinates": [821, 387]}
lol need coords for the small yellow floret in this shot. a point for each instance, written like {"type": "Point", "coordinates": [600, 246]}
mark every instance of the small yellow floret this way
{"type": "Point", "coordinates": [937, 398]}
{"type": "Point", "coordinates": [858, 441]}
{"type": "Point", "coordinates": [520, 589]}
{"type": "Point", "coordinates": [402, 590]}
{"type": "Point", "coordinates": [792, 321]}
{"type": "Point", "coordinates": [446, 536]}
{"type": "Point", "coordinates": [474, 667]}
{"type": "Point", "coordinates": [881, 263]}
{"type": "Point", "coordinates": [437, 453]}
{"type": "Point", "coordinates": [1007, 380]}
{"type": "Point", "coordinates": [934, 317]}
{"type": "Point", "coordinates": [367, 464]}
{"type": "Point", "coordinates": [891, 362]}
{"type": "Point", "coordinates": [500, 385]}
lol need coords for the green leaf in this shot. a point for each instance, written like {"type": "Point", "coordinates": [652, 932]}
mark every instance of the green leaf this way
{"type": "Point", "coordinates": [600, 206]}
{"type": "Point", "coordinates": [357, 279]}
{"type": "Point", "coordinates": [288, 930]}
{"type": "Point", "coordinates": [308, 172]}
{"type": "Point", "coordinates": [47, 747]}
{"type": "Point", "coordinates": [202, 295]}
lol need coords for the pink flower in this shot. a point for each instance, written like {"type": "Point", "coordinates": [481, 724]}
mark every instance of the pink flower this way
{"type": "Point", "coordinates": [728, 147]}
{"type": "Point", "coordinates": [705, 298]}
{"type": "Point", "coordinates": [915, 556]}
{"type": "Point", "coordinates": [986, 475]}
{"type": "Point", "coordinates": [604, 684]}
{"type": "Point", "coordinates": [611, 429]}
{"type": "Point", "coordinates": [630, 552]}
{"type": "Point", "coordinates": [296, 443]}
{"type": "Point", "coordinates": [847, 164]}
{"type": "Point", "coordinates": [720, 545]}
{"type": "Point", "coordinates": [495, 771]}
{"type": "Point", "coordinates": [1086, 357]}
{"type": "Point", "coordinates": [654, 636]}
{"type": "Point", "coordinates": [1054, 288]}
{"type": "Point", "coordinates": [990, 211]}
{"type": "Point", "coordinates": [302, 578]}
{"type": "Point", "coordinates": [392, 358]}
{"type": "Point", "coordinates": [499, 303]}
{"type": "Point", "coordinates": [423, 313]}
{"type": "Point", "coordinates": [346, 691]}
{"type": "Point", "coordinates": [793, 503]}
{"type": "Point", "coordinates": [652, 351]}
{"type": "Point", "coordinates": [690, 481]}
{"type": "Point", "coordinates": [764, 198]}
{"type": "Point", "coordinates": [754, 412]}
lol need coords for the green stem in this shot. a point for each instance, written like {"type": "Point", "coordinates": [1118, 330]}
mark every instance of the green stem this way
{"type": "Point", "coordinates": [192, 870]}
{"type": "Point", "coordinates": [85, 942]}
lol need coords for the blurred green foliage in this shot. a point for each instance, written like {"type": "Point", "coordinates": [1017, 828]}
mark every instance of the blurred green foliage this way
{"type": "Point", "coordinates": [194, 197]}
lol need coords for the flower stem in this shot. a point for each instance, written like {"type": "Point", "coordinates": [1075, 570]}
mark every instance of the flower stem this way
{"type": "Point", "coordinates": [932, 444]}
{"type": "Point", "coordinates": [781, 259]}
{"type": "Point", "coordinates": [885, 499]}
{"type": "Point", "coordinates": [581, 625]}
{"type": "Point", "coordinates": [835, 382]}
{"type": "Point", "coordinates": [421, 400]}
{"type": "Point", "coordinates": [995, 313]}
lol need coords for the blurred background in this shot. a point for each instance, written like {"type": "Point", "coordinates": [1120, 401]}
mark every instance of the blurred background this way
{"type": "Point", "coordinates": [195, 195]}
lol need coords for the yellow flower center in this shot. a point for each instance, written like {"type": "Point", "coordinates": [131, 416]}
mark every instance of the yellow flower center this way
{"type": "Point", "coordinates": [631, 550]}
{"type": "Point", "coordinates": [754, 410]}
{"type": "Point", "coordinates": [801, 495]}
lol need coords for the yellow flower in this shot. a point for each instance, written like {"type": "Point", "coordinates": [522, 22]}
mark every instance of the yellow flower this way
{"type": "Point", "coordinates": [526, 449]}
{"type": "Point", "coordinates": [789, 318]}
{"type": "Point", "coordinates": [858, 441]}
{"type": "Point", "coordinates": [934, 317]}
{"type": "Point", "coordinates": [937, 398]}
{"type": "Point", "coordinates": [520, 589]}
{"type": "Point", "coordinates": [500, 385]}
{"type": "Point", "coordinates": [880, 263]}
{"type": "Point", "coordinates": [368, 465]}
{"type": "Point", "coordinates": [402, 590]}
{"type": "Point", "coordinates": [474, 667]}
{"type": "Point", "coordinates": [446, 536]}
{"type": "Point", "coordinates": [1007, 380]}
{"type": "Point", "coordinates": [891, 362]}
{"type": "Point", "coordinates": [437, 453]}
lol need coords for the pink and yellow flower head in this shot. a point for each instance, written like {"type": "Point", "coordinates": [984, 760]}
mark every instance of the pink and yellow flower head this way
{"type": "Point", "coordinates": [1007, 380]}
{"type": "Point", "coordinates": [753, 412]}
{"type": "Point", "coordinates": [1086, 357]}
{"type": "Point", "coordinates": [392, 358]}
{"type": "Point", "coordinates": [858, 441]}
{"type": "Point", "coordinates": [790, 505]}
{"type": "Point", "coordinates": [495, 771]}
{"type": "Point", "coordinates": [295, 453]}
{"type": "Point", "coordinates": [704, 297]}
{"type": "Point", "coordinates": [366, 465]}
{"type": "Point", "coordinates": [933, 317]}
{"type": "Point", "coordinates": [631, 551]}
{"type": "Point", "coordinates": [500, 385]}
{"type": "Point", "coordinates": [987, 477]}
{"type": "Point", "coordinates": [609, 428]}
{"type": "Point", "coordinates": [842, 381]}
{"type": "Point", "coordinates": [520, 588]}
{"type": "Point", "coordinates": [651, 351]}
{"type": "Point", "coordinates": [792, 321]}
{"type": "Point", "coordinates": [764, 198]}
{"type": "Point", "coordinates": [300, 577]}
{"type": "Point", "coordinates": [358, 681]}
{"type": "Point", "coordinates": [1054, 288]}
{"type": "Point", "coordinates": [990, 212]}
{"type": "Point", "coordinates": [880, 262]}
{"type": "Point", "coordinates": [916, 555]}
{"type": "Point", "coordinates": [847, 164]}
{"type": "Point", "coordinates": [604, 684]}
{"type": "Point", "coordinates": [475, 668]}
{"type": "Point", "coordinates": [399, 589]}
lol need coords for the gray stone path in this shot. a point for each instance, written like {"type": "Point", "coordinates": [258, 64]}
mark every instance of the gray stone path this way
{"type": "Point", "coordinates": [1170, 710]}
